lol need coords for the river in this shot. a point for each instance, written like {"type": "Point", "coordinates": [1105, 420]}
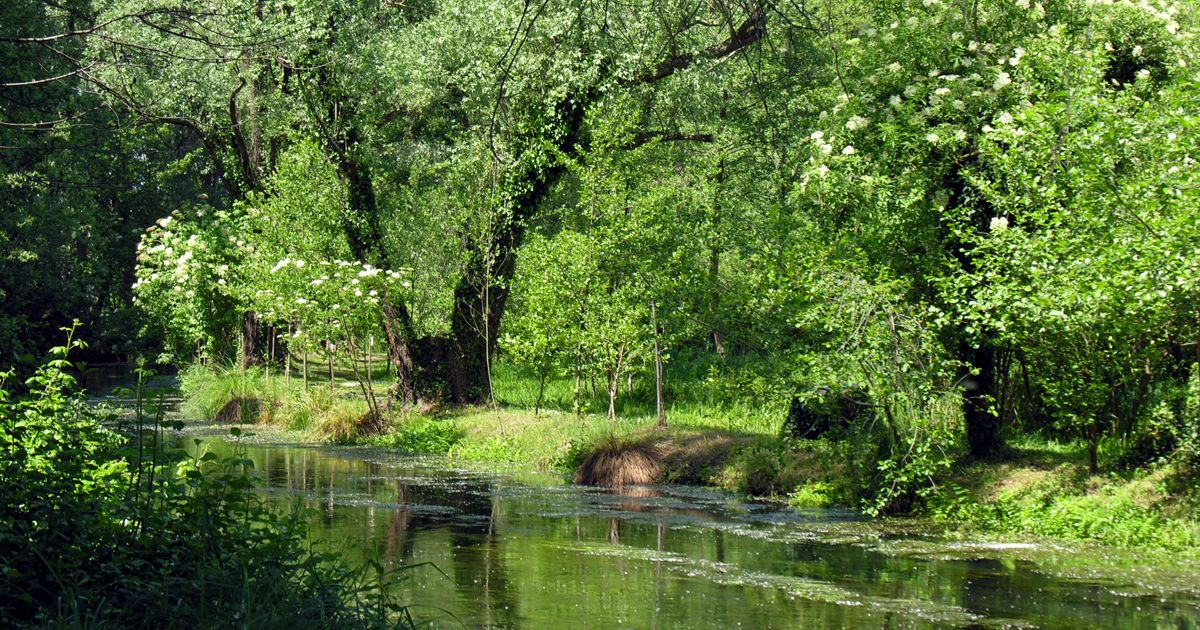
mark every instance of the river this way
{"type": "Point", "coordinates": [529, 550]}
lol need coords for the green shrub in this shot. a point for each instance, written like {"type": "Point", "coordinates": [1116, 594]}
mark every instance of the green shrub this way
{"type": "Point", "coordinates": [107, 527]}
{"type": "Point", "coordinates": [1108, 515]}
{"type": "Point", "coordinates": [816, 494]}
{"type": "Point", "coordinates": [420, 435]}
{"type": "Point", "coordinates": [496, 448]}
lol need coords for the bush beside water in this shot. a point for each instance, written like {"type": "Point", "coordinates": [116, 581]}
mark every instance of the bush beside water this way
{"type": "Point", "coordinates": [105, 526]}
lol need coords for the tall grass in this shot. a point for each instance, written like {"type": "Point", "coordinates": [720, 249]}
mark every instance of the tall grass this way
{"type": "Point", "coordinates": [335, 413]}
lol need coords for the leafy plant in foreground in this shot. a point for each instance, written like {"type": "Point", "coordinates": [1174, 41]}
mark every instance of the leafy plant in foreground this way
{"type": "Point", "coordinates": [106, 526]}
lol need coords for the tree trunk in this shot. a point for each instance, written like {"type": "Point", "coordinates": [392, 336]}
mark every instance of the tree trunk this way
{"type": "Point", "coordinates": [481, 295]}
{"type": "Point", "coordinates": [658, 370]}
{"type": "Point", "coordinates": [251, 336]}
{"type": "Point", "coordinates": [1093, 435]}
{"type": "Point", "coordinates": [578, 408]}
{"type": "Point", "coordinates": [714, 253]}
{"type": "Point", "coordinates": [982, 423]}
{"type": "Point", "coordinates": [329, 358]}
{"type": "Point", "coordinates": [614, 381]}
{"type": "Point", "coordinates": [537, 405]}
{"type": "Point", "coordinates": [979, 391]}
{"type": "Point", "coordinates": [364, 234]}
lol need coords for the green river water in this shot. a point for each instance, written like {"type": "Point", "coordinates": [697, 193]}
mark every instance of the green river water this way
{"type": "Point", "coordinates": [529, 550]}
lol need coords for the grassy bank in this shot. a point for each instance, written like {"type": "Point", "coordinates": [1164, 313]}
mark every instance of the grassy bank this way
{"type": "Point", "coordinates": [1038, 489]}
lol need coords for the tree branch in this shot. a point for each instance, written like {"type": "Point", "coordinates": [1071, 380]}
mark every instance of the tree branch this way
{"type": "Point", "coordinates": [249, 172]}
{"type": "Point", "coordinates": [752, 30]}
{"type": "Point", "coordinates": [646, 137]}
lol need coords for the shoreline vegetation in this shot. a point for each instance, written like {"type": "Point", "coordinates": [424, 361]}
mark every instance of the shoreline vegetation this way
{"type": "Point", "coordinates": [918, 258]}
{"type": "Point", "coordinates": [107, 523]}
{"type": "Point", "coordinates": [1037, 488]}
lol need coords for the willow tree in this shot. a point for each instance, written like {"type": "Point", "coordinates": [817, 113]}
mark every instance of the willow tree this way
{"type": "Point", "coordinates": [522, 96]}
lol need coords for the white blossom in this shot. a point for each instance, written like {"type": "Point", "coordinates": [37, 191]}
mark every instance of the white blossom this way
{"type": "Point", "coordinates": [856, 122]}
{"type": "Point", "coordinates": [1002, 80]}
{"type": "Point", "coordinates": [933, 138]}
{"type": "Point", "coordinates": [848, 150]}
{"type": "Point", "coordinates": [999, 224]}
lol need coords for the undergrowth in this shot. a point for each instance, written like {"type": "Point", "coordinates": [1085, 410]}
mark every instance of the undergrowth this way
{"type": "Point", "coordinates": [338, 414]}
{"type": "Point", "coordinates": [105, 525]}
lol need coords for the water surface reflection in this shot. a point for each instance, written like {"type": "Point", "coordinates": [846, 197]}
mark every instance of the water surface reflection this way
{"type": "Point", "coordinates": [528, 550]}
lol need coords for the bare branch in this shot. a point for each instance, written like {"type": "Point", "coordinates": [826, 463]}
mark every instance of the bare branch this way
{"type": "Point", "coordinates": [46, 80]}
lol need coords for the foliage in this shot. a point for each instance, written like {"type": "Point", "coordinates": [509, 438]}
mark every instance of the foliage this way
{"type": "Point", "coordinates": [420, 436]}
{"type": "Point", "coordinates": [989, 230]}
{"type": "Point", "coordinates": [276, 400]}
{"type": "Point", "coordinates": [1112, 515]}
{"type": "Point", "coordinates": [109, 526]}
{"type": "Point", "coordinates": [818, 494]}
{"type": "Point", "coordinates": [185, 265]}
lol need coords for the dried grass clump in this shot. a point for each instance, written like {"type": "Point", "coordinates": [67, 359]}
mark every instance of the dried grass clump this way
{"type": "Point", "coordinates": [345, 422]}
{"type": "Point", "coordinates": [614, 464]}
{"type": "Point", "coordinates": [239, 410]}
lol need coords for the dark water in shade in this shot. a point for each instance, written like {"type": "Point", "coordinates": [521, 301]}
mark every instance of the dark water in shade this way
{"type": "Point", "coordinates": [527, 550]}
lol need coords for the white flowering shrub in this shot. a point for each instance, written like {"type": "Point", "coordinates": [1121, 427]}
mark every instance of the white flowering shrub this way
{"type": "Point", "coordinates": [1092, 268]}
{"type": "Point", "coordinates": [186, 274]}
{"type": "Point", "coordinates": [320, 301]}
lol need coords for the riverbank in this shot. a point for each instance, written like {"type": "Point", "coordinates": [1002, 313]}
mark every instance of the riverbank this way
{"type": "Point", "coordinates": [1037, 489]}
{"type": "Point", "coordinates": [519, 548]}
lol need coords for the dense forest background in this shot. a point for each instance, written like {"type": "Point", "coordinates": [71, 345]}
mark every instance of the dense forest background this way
{"type": "Point", "coordinates": [972, 218]}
